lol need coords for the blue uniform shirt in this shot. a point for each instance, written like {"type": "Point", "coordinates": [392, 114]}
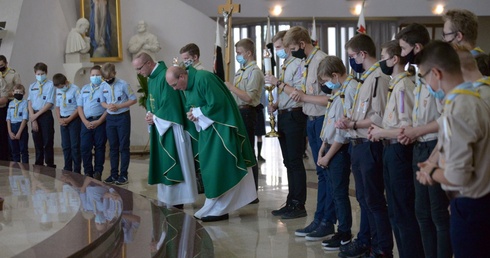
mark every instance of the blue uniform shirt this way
{"type": "Point", "coordinates": [117, 93]}
{"type": "Point", "coordinates": [90, 99]}
{"type": "Point", "coordinates": [40, 94]}
{"type": "Point", "coordinates": [67, 101]}
{"type": "Point", "coordinates": [16, 115]}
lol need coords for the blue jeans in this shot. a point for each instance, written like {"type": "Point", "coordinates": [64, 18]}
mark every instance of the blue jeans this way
{"type": "Point", "coordinates": [19, 147]}
{"type": "Point", "coordinates": [470, 226]}
{"type": "Point", "coordinates": [70, 142]}
{"type": "Point", "coordinates": [431, 208]}
{"type": "Point", "coordinates": [367, 166]}
{"type": "Point", "coordinates": [338, 174]}
{"type": "Point", "coordinates": [93, 139]}
{"type": "Point", "coordinates": [44, 139]}
{"type": "Point", "coordinates": [118, 129]}
{"type": "Point", "coordinates": [400, 193]}
{"type": "Point", "coordinates": [325, 209]}
{"type": "Point", "coordinates": [291, 128]}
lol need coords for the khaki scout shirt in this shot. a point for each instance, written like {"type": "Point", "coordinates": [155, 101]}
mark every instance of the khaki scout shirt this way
{"type": "Point", "coordinates": [7, 82]}
{"type": "Point", "coordinates": [398, 112]}
{"type": "Point", "coordinates": [312, 86]}
{"type": "Point", "coordinates": [464, 144]}
{"type": "Point", "coordinates": [371, 101]}
{"type": "Point", "coordinates": [484, 89]}
{"type": "Point", "coordinates": [334, 112]}
{"type": "Point", "coordinates": [349, 92]}
{"type": "Point", "coordinates": [252, 81]}
{"type": "Point", "coordinates": [198, 66]}
{"type": "Point", "coordinates": [292, 75]}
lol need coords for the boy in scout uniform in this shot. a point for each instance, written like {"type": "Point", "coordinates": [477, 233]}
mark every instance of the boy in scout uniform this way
{"type": "Point", "coordinates": [464, 143]}
{"type": "Point", "coordinates": [430, 201]}
{"type": "Point", "coordinates": [397, 157]}
{"type": "Point", "coordinates": [247, 89]}
{"type": "Point", "coordinates": [291, 122]}
{"type": "Point", "coordinates": [41, 101]}
{"type": "Point", "coordinates": [67, 115]}
{"type": "Point", "coordinates": [366, 156]}
{"type": "Point", "coordinates": [93, 129]}
{"type": "Point", "coordinates": [17, 118]}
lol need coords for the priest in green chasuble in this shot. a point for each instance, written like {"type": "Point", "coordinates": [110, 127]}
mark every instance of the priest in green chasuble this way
{"type": "Point", "coordinates": [171, 158]}
{"type": "Point", "coordinates": [225, 154]}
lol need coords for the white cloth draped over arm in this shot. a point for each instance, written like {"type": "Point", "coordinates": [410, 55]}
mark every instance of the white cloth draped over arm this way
{"type": "Point", "coordinates": [202, 122]}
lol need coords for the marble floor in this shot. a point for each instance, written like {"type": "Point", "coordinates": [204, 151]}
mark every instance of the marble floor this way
{"type": "Point", "coordinates": [252, 231]}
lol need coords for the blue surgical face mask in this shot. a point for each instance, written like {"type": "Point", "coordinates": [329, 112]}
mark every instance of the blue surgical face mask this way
{"type": "Point", "coordinates": [333, 86]}
{"type": "Point", "coordinates": [281, 53]}
{"type": "Point", "coordinates": [96, 79]}
{"type": "Point", "coordinates": [439, 94]}
{"type": "Point", "coordinates": [41, 78]}
{"type": "Point", "coordinates": [355, 66]}
{"type": "Point", "coordinates": [65, 88]}
{"type": "Point", "coordinates": [240, 59]}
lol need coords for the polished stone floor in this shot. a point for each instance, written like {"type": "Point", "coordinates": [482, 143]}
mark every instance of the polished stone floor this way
{"type": "Point", "coordinates": [252, 231]}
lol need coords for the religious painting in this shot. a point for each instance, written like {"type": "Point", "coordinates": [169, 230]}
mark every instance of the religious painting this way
{"type": "Point", "coordinates": [105, 29]}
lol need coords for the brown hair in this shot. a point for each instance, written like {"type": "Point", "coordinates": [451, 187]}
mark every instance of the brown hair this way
{"type": "Point", "coordinates": [463, 21]}
{"type": "Point", "coordinates": [246, 44]}
{"type": "Point", "coordinates": [108, 70]}
{"type": "Point", "coordinates": [393, 49]}
{"type": "Point", "coordinates": [295, 35]}
{"type": "Point", "coordinates": [279, 35]}
{"type": "Point", "coordinates": [59, 79]}
{"type": "Point", "coordinates": [192, 48]}
{"type": "Point", "coordinates": [362, 42]}
{"type": "Point", "coordinates": [330, 65]}
{"type": "Point", "coordinates": [19, 87]}
{"type": "Point", "coordinates": [41, 67]}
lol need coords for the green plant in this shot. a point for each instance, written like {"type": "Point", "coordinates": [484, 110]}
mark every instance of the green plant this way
{"type": "Point", "coordinates": [143, 89]}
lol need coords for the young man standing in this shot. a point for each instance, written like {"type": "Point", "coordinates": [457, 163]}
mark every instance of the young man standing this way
{"type": "Point", "coordinates": [461, 28]}
{"type": "Point", "coordinates": [190, 55]}
{"type": "Point", "coordinates": [397, 158]}
{"type": "Point", "coordinates": [464, 143]}
{"type": "Point", "coordinates": [430, 201]}
{"type": "Point", "coordinates": [366, 156]}
{"type": "Point", "coordinates": [41, 101]}
{"type": "Point", "coordinates": [246, 90]}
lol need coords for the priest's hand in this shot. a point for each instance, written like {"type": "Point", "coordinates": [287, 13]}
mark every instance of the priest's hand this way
{"type": "Point", "coordinates": [149, 118]}
{"type": "Point", "coordinates": [190, 116]}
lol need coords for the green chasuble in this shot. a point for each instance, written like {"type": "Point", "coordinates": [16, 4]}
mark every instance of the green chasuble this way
{"type": "Point", "coordinates": [167, 104]}
{"type": "Point", "coordinates": [224, 149]}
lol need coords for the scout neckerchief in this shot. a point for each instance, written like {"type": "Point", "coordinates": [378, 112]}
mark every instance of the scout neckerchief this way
{"type": "Point", "coordinates": [283, 73]}
{"type": "Point", "coordinates": [482, 81]}
{"type": "Point", "coordinates": [112, 89]}
{"type": "Point", "coordinates": [93, 88]}
{"type": "Point", "coordinates": [341, 94]}
{"type": "Point", "coordinates": [41, 84]}
{"type": "Point", "coordinates": [242, 71]}
{"type": "Point", "coordinates": [349, 78]}
{"type": "Point", "coordinates": [16, 103]}
{"type": "Point", "coordinates": [396, 80]}
{"type": "Point", "coordinates": [307, 63]}
{"type": "Point", "coordinates": [418, 89]}
{"type": "Point", "coordinates": [64, 93]}
{"type": "Point", "coordinates": [6, 72]}
{"type": "Point", "coordinates": [476, 51]}
{"type": "Point", "coordinates": [363, 77]}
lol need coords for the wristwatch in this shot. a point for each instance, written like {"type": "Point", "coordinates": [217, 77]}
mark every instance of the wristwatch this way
{"type": "Point", "coordinates": [278, 83]}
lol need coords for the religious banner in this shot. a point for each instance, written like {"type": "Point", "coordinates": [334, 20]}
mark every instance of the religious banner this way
{"type": "Point", "coordinates": [218, 67]}
{"type": "Point", "coordinates": [361, 24]}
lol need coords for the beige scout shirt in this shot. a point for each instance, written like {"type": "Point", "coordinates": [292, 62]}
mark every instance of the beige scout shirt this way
{"type": "Point", "coordinates": [7, 82]}
{"type": "Point", "coordinates": [251, 80]}
{"type": "Point", "coordinates": [464, 144]}
{"type": "Point", "coordinates": [312, 86]}
{"type": "Point", "coordinates": [198, 66]}
{"type": "Point", "coordinates": [371, 101]}
{"type": "Point", "coordinates": [334, 112]}
{"type": "Point", "coordinates": [484, 90]}
{"type": "Point", "coordinates": [349, 92]}
{"type": "Point", "coordinates": [292, 75]}
{"type": "Point", "coordinates": [398, 112]}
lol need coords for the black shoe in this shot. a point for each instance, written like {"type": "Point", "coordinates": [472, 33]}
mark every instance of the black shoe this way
{"type": "Point", "coordinates": [282, 210]}
{"type": "Point", "coordinates": [110, 180]}
{"type": "Point", "coordinates": [122, 180]}
{"type": "Point", "coordinates": [302, 232]}
{"type": "Point", "coordinates": [297, 211]}
{"type": "Point", "coordinates": [255, 201]}
{"type": "Point", "coordinates": [215, 218]}
{"type": "Point", "coordinates": [354, 249]}
{"type": "Point", "coordinates": [338, 240]}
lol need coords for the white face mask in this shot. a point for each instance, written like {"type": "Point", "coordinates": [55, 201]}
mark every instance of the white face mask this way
{"type": "Point", "coordinates": [188, 62]}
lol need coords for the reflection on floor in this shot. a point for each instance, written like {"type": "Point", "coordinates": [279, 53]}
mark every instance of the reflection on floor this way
{"type": "Point", "coordinates": [252, 231]}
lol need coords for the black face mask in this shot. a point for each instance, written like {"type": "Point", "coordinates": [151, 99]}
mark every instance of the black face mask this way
{"type": "Point", "coordinates": [410, 57]}
{"type": "Point", "coordinates": [325, 89]}
{"type": "Point", "coordinates": [355, 66]}
{"type": "Point", "coordinates": [111, 81]}
{"type": "Point", "coordinates": [385, 68]}
{"type": "Point", "coordinates": [3, 68]}
{"type": "Point", "coordinates": [300, 53]}
{"type": "Point", "coordinates": [18, 96]}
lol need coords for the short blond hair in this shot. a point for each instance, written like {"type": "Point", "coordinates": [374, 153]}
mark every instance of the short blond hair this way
{"type": "Point", "coordinates": [108, 70]}
{"type": "Point", "coordinates": [295, 35]}
{"type": "Point", "coordinates": [246, 44]}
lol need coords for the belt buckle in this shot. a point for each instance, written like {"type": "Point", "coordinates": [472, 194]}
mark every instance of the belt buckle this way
{"type": "Point", "coordinates": [312, 118]}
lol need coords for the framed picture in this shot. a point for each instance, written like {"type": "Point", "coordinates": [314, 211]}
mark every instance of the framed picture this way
{"type": "Point", "coordinates": [105, 29]}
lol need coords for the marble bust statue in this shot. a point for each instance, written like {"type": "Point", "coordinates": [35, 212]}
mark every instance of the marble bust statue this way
{"type": "Point", "coordinates": [143, 41]}
{"type": "Point", "coordinates": [76, 41]}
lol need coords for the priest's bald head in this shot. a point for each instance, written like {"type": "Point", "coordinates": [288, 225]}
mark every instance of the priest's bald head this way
{"type": "Point", "coordinates": [143, 64]}
{"type": "Point", "coordinates": [176, 77]}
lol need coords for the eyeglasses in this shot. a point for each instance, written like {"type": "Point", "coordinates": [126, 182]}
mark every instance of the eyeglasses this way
{"type": "Point", "coordinates": [141, 67]}
{"type": "Point", "coordinates": [421, 77]}
{"type": "Point", "coordinates": [449, 33]}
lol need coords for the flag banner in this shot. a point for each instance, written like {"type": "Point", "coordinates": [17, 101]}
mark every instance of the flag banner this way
{"type": "Point", "coordinates": [218, 66]}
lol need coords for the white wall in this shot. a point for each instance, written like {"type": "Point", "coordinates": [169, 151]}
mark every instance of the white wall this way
{"type": "Point", "coordinates": [340, 8]}
{"type": "Point", "coordinates": [37, 33]}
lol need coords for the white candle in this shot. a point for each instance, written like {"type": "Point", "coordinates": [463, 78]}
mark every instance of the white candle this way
{"type": "Point", "coordinates": [267, 65]}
